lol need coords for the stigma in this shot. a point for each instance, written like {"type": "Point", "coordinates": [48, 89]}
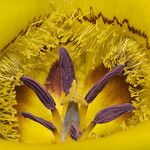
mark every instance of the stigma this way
{"type": "Point", "coordinates": [71, 120]}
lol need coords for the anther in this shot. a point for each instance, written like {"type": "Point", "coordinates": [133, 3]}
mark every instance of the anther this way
{"type": "Point", "coordinates": [40, 91]}
{"type": "Point", "coordinates": [100, 84]}
{"type": "Point", "coordinates": [110, 113]}
{"type": "Point", "coordinates": [74, 132]}
{"type": "Point", "coordinates": [67, 69]}
{"type": "Point", "coordinates": [42, 121]}
{"type": "Point", "coordinates": [68, 79]}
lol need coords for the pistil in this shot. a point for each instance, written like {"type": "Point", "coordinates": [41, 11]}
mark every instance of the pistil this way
{"type": "Point", "coordinates": [71, 118]}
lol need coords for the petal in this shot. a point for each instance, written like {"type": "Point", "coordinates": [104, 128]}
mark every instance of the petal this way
{"type": "Point", "coordinates": [138, 15]}
{"type": "Point", "coordinates": [128, 139]}
{"type": "Point", "coordinates": [15, 17]}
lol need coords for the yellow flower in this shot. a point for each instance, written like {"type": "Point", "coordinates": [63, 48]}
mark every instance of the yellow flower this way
{"type": "Point", "coordinates": [98, 35]}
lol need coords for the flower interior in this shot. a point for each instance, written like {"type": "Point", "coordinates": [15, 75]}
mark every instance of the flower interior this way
{"type": "Point", "coordinates": [81, 76]}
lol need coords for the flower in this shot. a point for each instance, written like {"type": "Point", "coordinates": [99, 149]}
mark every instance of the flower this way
{"type": "Point", "coordinates": [87, 31]}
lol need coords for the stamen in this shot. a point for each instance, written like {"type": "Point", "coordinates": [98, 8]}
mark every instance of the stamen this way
{"type": "Point", "coordinates": [40, 91]}
{"type": "Point", "coordinates": [110, 113]}
{"type": "Point", "coordinates": [43, 122]}
{"type": "Point", "coordinates": [100, 84]}
{"type": "Point", "coordinates": [67, 69]}
{"type": "Point", "coordinates": [74, 132]}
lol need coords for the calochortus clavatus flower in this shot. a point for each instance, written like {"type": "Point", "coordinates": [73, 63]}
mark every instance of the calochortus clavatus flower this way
{"type": "Point", "coordinates": [78, 68]}
{"type": "Point", "coordinates": [72, 117]}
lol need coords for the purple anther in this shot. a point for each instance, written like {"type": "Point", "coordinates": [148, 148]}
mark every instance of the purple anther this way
{"type": "Point", "coordinates": [43, 122]}
{"type": "Point", "coordinates": [100, 84]}
{"type": "Point", "coordinates": [67, 69]}
{"type": "Point", "coordinates": [113, 112]}
{"type": "Point", "coordinates": [40, 91]}
{"type": "Point", "coordinates": [74, 132]}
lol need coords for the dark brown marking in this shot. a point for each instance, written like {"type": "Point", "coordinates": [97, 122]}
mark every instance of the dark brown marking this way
{"type": "Point", "coordinates": [53, 80]}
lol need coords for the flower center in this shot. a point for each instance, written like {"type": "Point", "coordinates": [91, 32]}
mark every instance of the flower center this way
{"type": "Point", "coordinates": [93, 46]}
{"type": "Point", "coordinates": [71, 121]}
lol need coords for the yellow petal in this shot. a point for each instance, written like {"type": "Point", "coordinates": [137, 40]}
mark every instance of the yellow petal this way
{"type": "Point", "coordinates": [137, 12]}
{"type": "Point", "coordinates": [133, 138]}
{"type": "Point", "coordinates": [15, 15]}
